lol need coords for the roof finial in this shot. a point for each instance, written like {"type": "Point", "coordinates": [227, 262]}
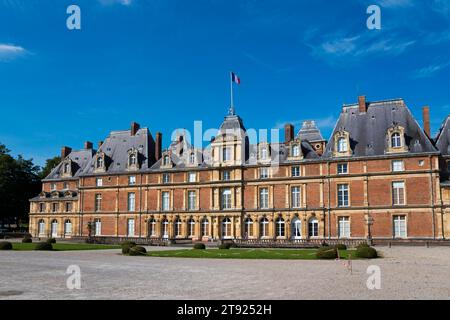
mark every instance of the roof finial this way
{"type": "Point", "coordinates": [231, 111]}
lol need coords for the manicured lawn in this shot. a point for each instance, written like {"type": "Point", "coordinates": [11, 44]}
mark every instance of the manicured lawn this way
{"type": "Point", "coordinates": [280, 254]}
{"type": "Point", "coordinates": [64, 246]}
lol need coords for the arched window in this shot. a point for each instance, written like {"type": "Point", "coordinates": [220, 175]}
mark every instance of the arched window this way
{"type": "Point", "coordinates": [97, 227]}
{"type": "Point", "coordinates": [99, 163]}
{"type": "Point", "coordinates": [296, 228]}
{"type": "Point", "coordinates": [67, 227]}
{"type": "Point", "coordinates": [177, 225]}
{"type": "Point", "coordinates": [192, 158]}
{"type": "Point", "coordinates": [191, 227]}
{"type": "Point", "coordinates": [264, 228]}
{"type": "Point", "coordinates": [226, 228]}
{"type": "Point", "coordinates": [133, 159]}
{"type": "Point", "coordinates": [152, 227]}
{"type": "Point", "coordinates": [165, 229]}
{"type": "Point", "coordinates": [396, 141]}
{"type": "Point", "coordinates": [205, 227]}
{"type": "Point", "coordinates": [295, 150]}
{"type": "Point", "coordinates": [166, 160]}
{"type": "Point", "coordinates": [41, 227]}
{"type": "Point", "coordinates": [66, 167]}
{"type": "Point", "coordinates": [342, 144]}
{"type": "Point", "coordinates": [54, 228]}
{"type": "Point", "coordinates": [280, 226]}
{"type": "Point", "coordinates": [248, 228]}
{"type": "Point", "coordinates": [313, 227]}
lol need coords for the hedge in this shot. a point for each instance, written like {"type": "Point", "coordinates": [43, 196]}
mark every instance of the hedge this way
{"type": "Point", "coordinates": [5, 245]}
{"type": "Point", "coordinates": [44, 246]}
{"type": "Point", "coordinates": [137, 251]}
{"type": "Point", "coordinates": [199, 246]}
{"type": "Point", "coordinates": [366, 252]}
{"type": "Point", "coordinates": [327, 253]}
{"type": "Point", "coordinates": [27, 240]}
{"type": "Point", "coordinates": [51, 240]}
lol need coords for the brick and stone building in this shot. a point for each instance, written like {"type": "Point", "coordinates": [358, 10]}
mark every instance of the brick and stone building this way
{"type": "Point", "coordinates": [380, 176]}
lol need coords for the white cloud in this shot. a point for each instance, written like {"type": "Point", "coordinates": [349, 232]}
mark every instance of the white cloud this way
{"type": "Point", "coordinates": [111, 2]}
{"type": "Point", "coordinates": [430, 70]}
{"type": "Point", "coordinates": [10, 51]}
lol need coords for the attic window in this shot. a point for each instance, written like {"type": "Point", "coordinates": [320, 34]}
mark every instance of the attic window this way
{"type": "Point", "coordinates": [396, 141]}
{"type": "Point", "coordinates": [100, 162]}
{"type": "Point", "coordinates": [342, 144]}
{"type": "Point", "coordinates": [166, 160]}
{"type": "Point", "coordinates": [295, 150]}
{"type": "Point", "coordinates": [192, 158]}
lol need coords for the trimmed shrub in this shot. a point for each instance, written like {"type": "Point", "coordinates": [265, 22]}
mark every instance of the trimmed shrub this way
{"type": "Point", "coordinates": [363, 245]}
{"type": "Point", "coordinates": [366, 252]}
{"type": "Point", "coordinates": [137, 251]}
{"type": "Point", "coordinates": [44, 246]}
{"type": "Point", "coordinates": [128, 243]}
{"type": "Point", "coordinates": [51, 240]}
{"type": "Point", "coordinates": [327, 253]}
{"type": "Point", "coordinates": [224, 246]}
{"type": "Point", "coordinates": [341, 246]}
{"type": "Point", "coordinates": [5, 245]}
{"type": "Point", "coordinates": [27, 240]}
{"type": "Point", "coordinates": [199, 246]}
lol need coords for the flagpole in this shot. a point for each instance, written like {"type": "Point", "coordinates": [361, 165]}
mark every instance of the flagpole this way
{"type": "Point", "coordinates": [231, 94]}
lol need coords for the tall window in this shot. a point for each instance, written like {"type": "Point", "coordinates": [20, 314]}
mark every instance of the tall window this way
{"type": "Point", "coordinates": [166, 160]}
{"type": "Point", "coordinates": [396, 141]}
{"type": "Point", "coordinates": [133, 159]}
{"type": "Point", "coordinates": [67, 227]}
{"type": "Point", "coordinates": [226, 175]}
{"type": "Point", "coordinates": [132, 180]}
{"type": "Point", "coordinates": [99, 162]}
{"type": "Point", "coordinates": [192, 158]}
{"type": "Point", "coordinates": [264, 173]}
{"type": "Point", "coordinates": [398, 193]}
{"type": "Point", "coordinates": [205, 227]}
{"type": "Point", "coordinates": [295, 171]}
{"type": "Point", "coordinates": [397, 165]}
{"type": "Point", "coordinates": [192, 177]}
{"type": "Point", "coordinates": [295, 150]}
{"type": "Point", "coordinates": [68, 206]}
{"type": "Point", "coordinates": [342, 144]}
{"type": "Point", "coordinates": [399, 226]}
{"type": "Point", "coordinates": [97, 227]}
{"type": "Point", "coordinates": [41, 207]}
{"type": "Point", "coordinates": [295, 197]}
{"type": "Point", "coordinates": [226, 199]}
{"type": "Point", "coordinates": [130, 229]}
{"type": "Point", "coordinates": [297, 228]}
{"type": "Point", "coordinates": [177, 227]}
{"type": "Point", "coordinates": [98, 202]}
{"type": "Point", "coordinates": [65, 186]}
{"type": "Point", "coordinates": [226, 154]}
{"type": "Point", "coordinates": [131, 201]}
{"type": "Point", "coordinates": [152, 227]}
{"type": "Point", "coordinates": [263, 198]}
{"type": "Point", "coordinates": [166, 177]}
{"type": "Point", "coordinates": [192, 200]}
{"type": "Point", "coordinates": [264, 227]}
{"type": "Point", "coordinates": [165, 229]}
{"type": "Point", "coordinates": [343, 195]}
{"type": "Point", "coordinates": [66, 168]}
{"type": "Point", "coordinates": [248, 228]}
{"type": "Point", "coordinates": [41, 227]}
{"type": "Point", "coordinates": [55, 207]}
{"type": "Point", "coordinates": [344, 227]}
{"type": "Point", "coordinates": [53, 186]}
{"type": "Point", "coordinates": [165, 201]}
{"type": "Point", "coordinates": [99, 182]}
{"type": "Point", "coordinates": [313, 227]}
{"type": "Point", "coordinates": [191, 227]}
{"type": "Point", "coordinates": [280, 226]}
{"type": "Point", "coordinates": [264, 153]}
{"type": "Point", "coordinates": [342, 168]}
{"type": "Point", "coordinates": [54, 228]}
{"type": "Point", "coordinates": [226, 228]}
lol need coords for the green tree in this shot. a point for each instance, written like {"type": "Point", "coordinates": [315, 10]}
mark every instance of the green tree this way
{"type": "Point", "coordinates": [49, 165]}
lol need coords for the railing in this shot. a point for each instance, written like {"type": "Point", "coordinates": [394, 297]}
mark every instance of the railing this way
{"type": "Point", "coordinates": [295, 243]}
{"type": "Point", "coordinates": [118, 240]}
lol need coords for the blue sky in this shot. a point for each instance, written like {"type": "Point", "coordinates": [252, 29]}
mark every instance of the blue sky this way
{"type": "Point", "coordinates": [165, 63]}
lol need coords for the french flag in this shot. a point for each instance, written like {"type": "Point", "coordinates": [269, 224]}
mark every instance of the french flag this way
{"type": "Point", "coordinates": [235, 78]}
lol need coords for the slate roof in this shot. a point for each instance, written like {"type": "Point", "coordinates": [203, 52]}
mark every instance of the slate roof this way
{"type": "Point", "coordinates": [80, 160]}
{"type": "Point", "coordinates": [443, 138]}
{"type": "Point", "coordinates": [310, 132]}
{"type": "Point", "coordinates": [116, 147]}
{"type": "Point", "coordinates": [368, 129]}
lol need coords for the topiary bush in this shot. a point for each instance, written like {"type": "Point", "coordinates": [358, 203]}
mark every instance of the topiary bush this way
{"type": "Point", "coordinates": [225, 246]}
{"type": "Point", "coordinates": [341, 246]}
{"type": "Point", "coordinates": [44, 246]}
{"type": "Point", "coordinates": [366, 252]}
{"type": "Point", "coordinates": [363, 245]}
{"type": "Point", "coordinates": [327, 253]}
{"type": "Point", "coordinates": [127, 245]}
{"type": "Point", "coordinates": [27, 240]}
{"type": "Point", "coordinates": [51, 240]}
{"type": "Point", "coordinates": [137, 251]}
{"type": "Point", "coordinates": [199, 246]}
{"type": "Point", "coordinates": [5, 245]}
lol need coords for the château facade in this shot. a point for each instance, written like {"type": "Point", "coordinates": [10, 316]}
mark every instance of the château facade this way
{"type": "Point", "coordinates": [380, 176]}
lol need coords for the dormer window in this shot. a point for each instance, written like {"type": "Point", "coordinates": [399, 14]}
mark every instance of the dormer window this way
{"type": "Point", "coordinates": [133, 163]}
{"type": "Point", "coordinates": [396, 141]}
{"type": "Point", "coordinates": [66, 168]}
{"type": "Point", "coordinates": [264, 153]}
{"type": "Point", "coordinates": [100, 165]}
{"type": "Point", "coordinates": [192, 158]}
{"type": "Point", "coordinates": [166, 160]}
{"type": "Point", "coordinates": [99, 162]}
{"type": "Point", "coordinates": [342, 145]}
{"type": "Point", "coordinates": [132, 159]}
{"type": "Point", "coordinates": [295, 150]}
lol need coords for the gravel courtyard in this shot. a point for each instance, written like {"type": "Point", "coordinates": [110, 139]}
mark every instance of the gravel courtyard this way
{"type": "Point", "coordinates": [406, 273]}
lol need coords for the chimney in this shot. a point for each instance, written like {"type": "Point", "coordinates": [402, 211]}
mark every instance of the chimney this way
{"type": "Point", "coordinates": [158, 146]}
{"type": "Point", "coordinates": [88, 145]}
{"type": "Point", "coordinates": [426, 121]}
{"type": "Point", "coordinates": [362, 104]}
{"type": "Point", "coordinates": [65, 151]}
{"type": "Point", "coordinates": [99, 144]}
{"type": "Point", "coordinates": [134, 128]}
{"type": "Point", "coordinates": [288, 133]}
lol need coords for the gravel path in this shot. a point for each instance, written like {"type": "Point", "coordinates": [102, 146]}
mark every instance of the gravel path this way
{"type": "Point", "coordinates": [406, 273]}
